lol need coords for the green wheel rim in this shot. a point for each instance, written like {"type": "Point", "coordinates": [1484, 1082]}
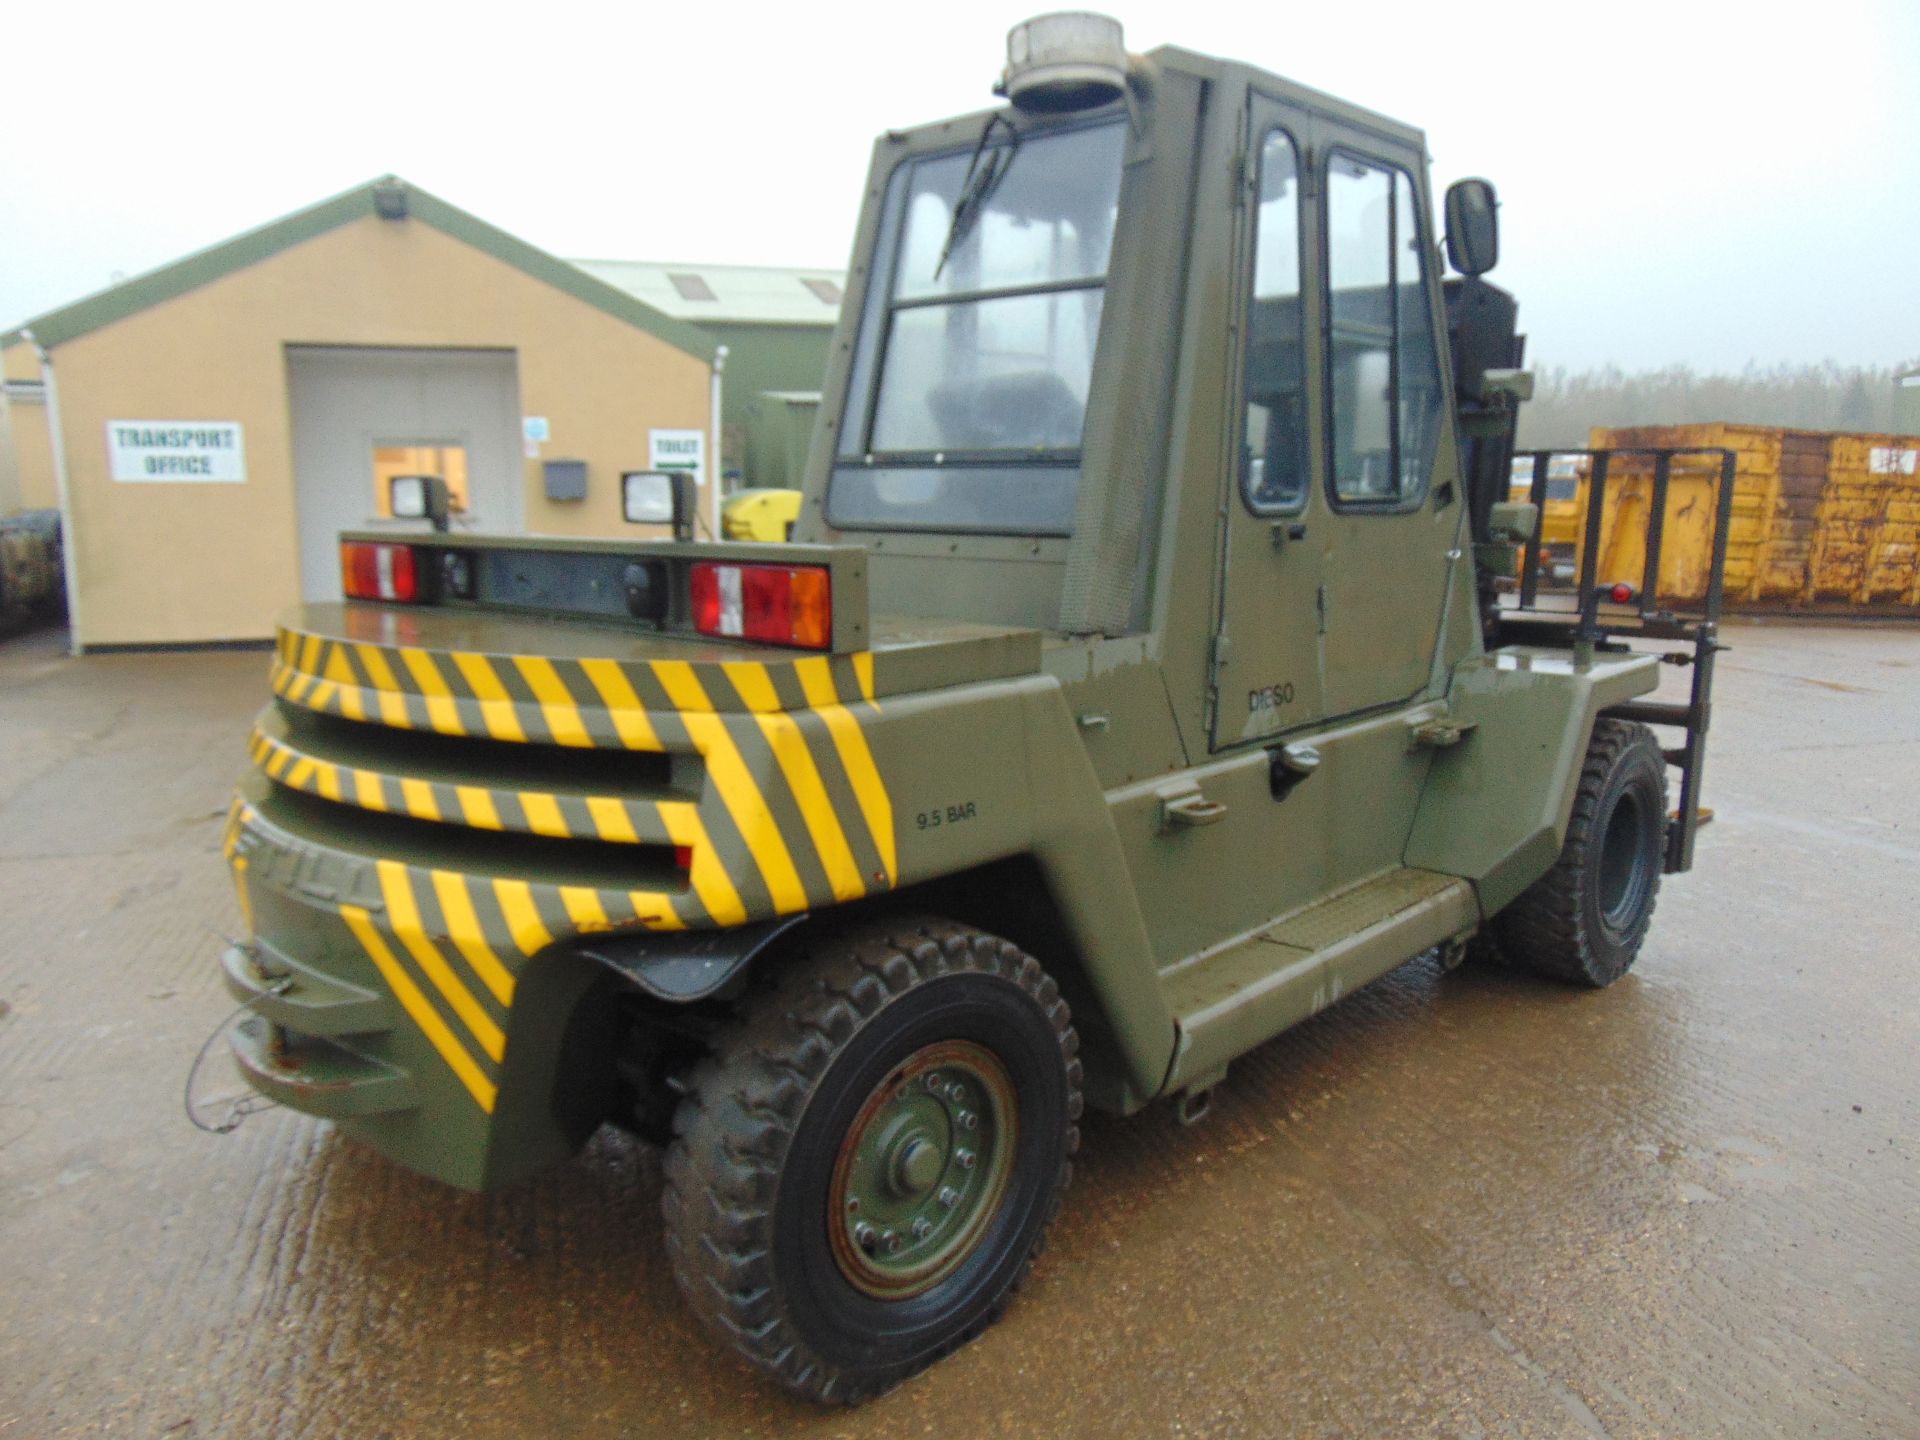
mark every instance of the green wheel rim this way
{"type": "Point", "coordinates": [923, 1169]}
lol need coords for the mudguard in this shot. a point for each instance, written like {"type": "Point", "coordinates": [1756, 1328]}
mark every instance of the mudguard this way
{"type": "Point", "coordinates": [684, 966]}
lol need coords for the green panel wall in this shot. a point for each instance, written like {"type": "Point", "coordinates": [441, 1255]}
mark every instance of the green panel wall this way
{"type": "Point", "coordinates": [760, 358]}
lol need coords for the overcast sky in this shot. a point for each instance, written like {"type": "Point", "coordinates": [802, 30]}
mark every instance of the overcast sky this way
{"type": "Point", "coordinates": [1682, 181]}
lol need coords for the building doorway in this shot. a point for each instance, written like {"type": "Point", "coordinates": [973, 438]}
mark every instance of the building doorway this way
{"type": "Point", "coordinates": [361, 416]}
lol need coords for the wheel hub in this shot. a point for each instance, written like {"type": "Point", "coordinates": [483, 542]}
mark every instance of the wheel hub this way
{"type": "Point", "coordinates": [923, 1169]}
{"type": "Point", "coordinates": [916, 1165]}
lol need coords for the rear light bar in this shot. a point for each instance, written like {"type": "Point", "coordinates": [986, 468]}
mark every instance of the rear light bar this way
{"type": "Point", "coordinates": [372, 571]}
{"type": "Point", "coordinates": [773, 604]}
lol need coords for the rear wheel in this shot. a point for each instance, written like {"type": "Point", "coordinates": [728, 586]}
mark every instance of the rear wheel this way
{"type": "Point", "coordinates": [1584, 920]}
{"type": "Point", "coordinates": [864, 1168]}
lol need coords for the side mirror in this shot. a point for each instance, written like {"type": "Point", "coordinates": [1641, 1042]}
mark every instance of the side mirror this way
{"type": "Point", "coordinates": [419, 497]}
{"type": "Point", "coordinates": [659, 497]}
{"type": "Point", "coordinates": [1473, 226]}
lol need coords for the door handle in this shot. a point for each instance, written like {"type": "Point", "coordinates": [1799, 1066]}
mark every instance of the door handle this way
{"type": "Point", "coordinates": [1190, 810]}
{"type": "Point", "coordinates": [1289, 765]}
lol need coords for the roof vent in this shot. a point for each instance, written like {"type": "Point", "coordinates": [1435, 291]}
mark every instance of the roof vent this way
{"type": "Point", "coordinates": [1056, 64]}
{"type": "Point", "coordinates": [692, 287]}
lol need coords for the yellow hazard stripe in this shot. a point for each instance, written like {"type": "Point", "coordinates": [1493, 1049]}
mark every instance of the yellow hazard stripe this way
{"type": "Point", "coordinates": [241, 894]}
{"type": "Point", "coordinates": [803, 778]}
{"type": "Point", "coordinates": [584, 908]}
{"type": "Point", "coordinates": [557, 704]}
{"type": "Point", "coordinates": [735, 782]}
{"type": "Point", "coordinates": [624, 708]}
{"type": "Point", "coordinates": [655, 911]}
{"type": "Point", "coordinates": [497, 712]}
{"type": "Point", "coordinates": [529, 931]}
{"type": "Point", "coordinates": [442, 714]}
{"type": "Point", "coordinates": [417, 1005]}
{"type": "Point", "coordinates": [420, 799]}
{"type": "Point", "coordinates": [863, 672]}
{"type": "Point", "coordinates": [417, 796]}
{"type": "Point", "coordinates": [393, 705]}
{"type": "Point", "coordinates": [463, 925]}
{"type": "Point", "coordinates": [710, 879]}
{"type": "Point", "coordinates": [368, 791]}
{"type": "Point", "coordinates": [816, 679]}
{"type": "Point", "coordinates": [341, 673]}
{"type": "Point", "coordinates": [478, 807]}
{"type": "Point", "coordinates": [610, 818]}
{"type": "Point", "coordinates": [294, 683]}
{"type": "Point", "coordinates": [403, 915]}
{"type": "Point", "coordinates": [543, 815]}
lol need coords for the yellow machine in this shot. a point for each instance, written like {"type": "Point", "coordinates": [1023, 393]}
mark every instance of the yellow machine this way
{"type": "Point", "coordinates": [1821, 521]}
{"type": "Point", "coordinates": [1560, 511]}
{"type": "Point", "coordinates": [759, 515]}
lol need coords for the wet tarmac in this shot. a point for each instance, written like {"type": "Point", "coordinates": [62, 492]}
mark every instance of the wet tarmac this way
{"type": "Point", "coordinates": [1455, 1205]}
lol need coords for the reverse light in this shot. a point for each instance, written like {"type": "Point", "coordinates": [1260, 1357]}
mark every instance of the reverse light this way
{"type": "Point", "coordinates": [773, 604]}
{"type": "Point", "coordinates": [372, 571]}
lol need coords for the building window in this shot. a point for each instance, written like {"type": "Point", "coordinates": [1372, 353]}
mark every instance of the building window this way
{"type": "Point", "coordinates": [449, 462]}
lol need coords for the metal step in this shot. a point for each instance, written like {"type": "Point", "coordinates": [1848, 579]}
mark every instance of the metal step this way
{"type": "Point", "coordinates": [1232, 999]}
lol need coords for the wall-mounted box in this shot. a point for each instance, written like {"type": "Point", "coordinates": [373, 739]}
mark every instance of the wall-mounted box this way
{"type": "Point", "coordinates": [566, 479]}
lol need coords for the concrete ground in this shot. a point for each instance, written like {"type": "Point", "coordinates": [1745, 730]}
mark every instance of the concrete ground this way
{"type": "Point", "coordinates": [1454, 1205]}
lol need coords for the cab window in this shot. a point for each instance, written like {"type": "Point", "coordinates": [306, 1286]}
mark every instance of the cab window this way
{"type": "Point", "coordinates": [1383, 368]}
{"type": "Point", "coordinates": [968, 393]}
{"type": "Point", "coordinates": [1273, 446]}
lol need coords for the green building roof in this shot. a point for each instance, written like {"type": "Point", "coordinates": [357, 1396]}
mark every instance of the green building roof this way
{"type": "Point", "coordinates": [389, 197]}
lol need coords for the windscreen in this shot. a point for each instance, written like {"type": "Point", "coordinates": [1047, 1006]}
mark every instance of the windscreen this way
{"type": "Point", "coordinates": [969, 395]}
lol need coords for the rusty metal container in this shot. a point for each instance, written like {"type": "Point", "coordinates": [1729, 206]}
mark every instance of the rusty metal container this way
{"type": "Point", "coordinates": [30, 574]}
{"type": "Point", "coordinates": [1821, 521]}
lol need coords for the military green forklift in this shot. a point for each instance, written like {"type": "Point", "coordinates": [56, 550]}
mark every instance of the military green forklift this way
{"type": "Point", "coordinates": [1156, 661]}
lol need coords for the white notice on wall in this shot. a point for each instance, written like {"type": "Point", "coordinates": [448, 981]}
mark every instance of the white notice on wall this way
{"type": "Point", "coordinates": [1891, 460]}
{"type": "Point", "coordinates": [679, 450]}
{"type": "Point", "coordinates": [188, 450]}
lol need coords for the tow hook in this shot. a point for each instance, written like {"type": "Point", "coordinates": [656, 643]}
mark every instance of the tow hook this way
{"type": "Point", "coordinates": [248, 1102]}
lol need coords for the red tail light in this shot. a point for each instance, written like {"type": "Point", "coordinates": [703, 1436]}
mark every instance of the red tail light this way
{"type": "Point", "coordinates": [774, 604]}
{"type": "Point", "coordinates": [1623, 594]}
{"type": "Point", "coordinates": [378, 572]}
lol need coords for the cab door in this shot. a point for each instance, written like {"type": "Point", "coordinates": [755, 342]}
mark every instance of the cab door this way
{"type": "Point", "coordinates": [1390, 487]}
{"type": "Point", "coordinates": [1266, 674]}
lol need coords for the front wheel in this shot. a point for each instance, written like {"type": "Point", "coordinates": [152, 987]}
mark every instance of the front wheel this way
{"type": "Point", "coordinates": [1584, 920]}
{"type": "Point", "coordinates": [865, 1167]}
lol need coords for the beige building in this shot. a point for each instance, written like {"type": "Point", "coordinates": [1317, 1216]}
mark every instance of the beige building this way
{"type": "Point", "coordinates": [207, 430]}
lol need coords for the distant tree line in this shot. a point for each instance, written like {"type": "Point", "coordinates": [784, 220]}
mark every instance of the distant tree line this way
{"type": "Point", "coordinates": [1567, 404]}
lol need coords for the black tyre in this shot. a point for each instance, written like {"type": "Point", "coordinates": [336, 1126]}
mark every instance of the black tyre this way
{"type": "Point", "coordinates": [1583, 921]}
{"type": "Point", "coordinates": [865, 1167]}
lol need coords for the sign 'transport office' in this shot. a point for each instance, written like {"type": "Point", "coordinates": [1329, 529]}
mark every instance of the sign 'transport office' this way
{"type": "Point", "coordinates": [189, 450]}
